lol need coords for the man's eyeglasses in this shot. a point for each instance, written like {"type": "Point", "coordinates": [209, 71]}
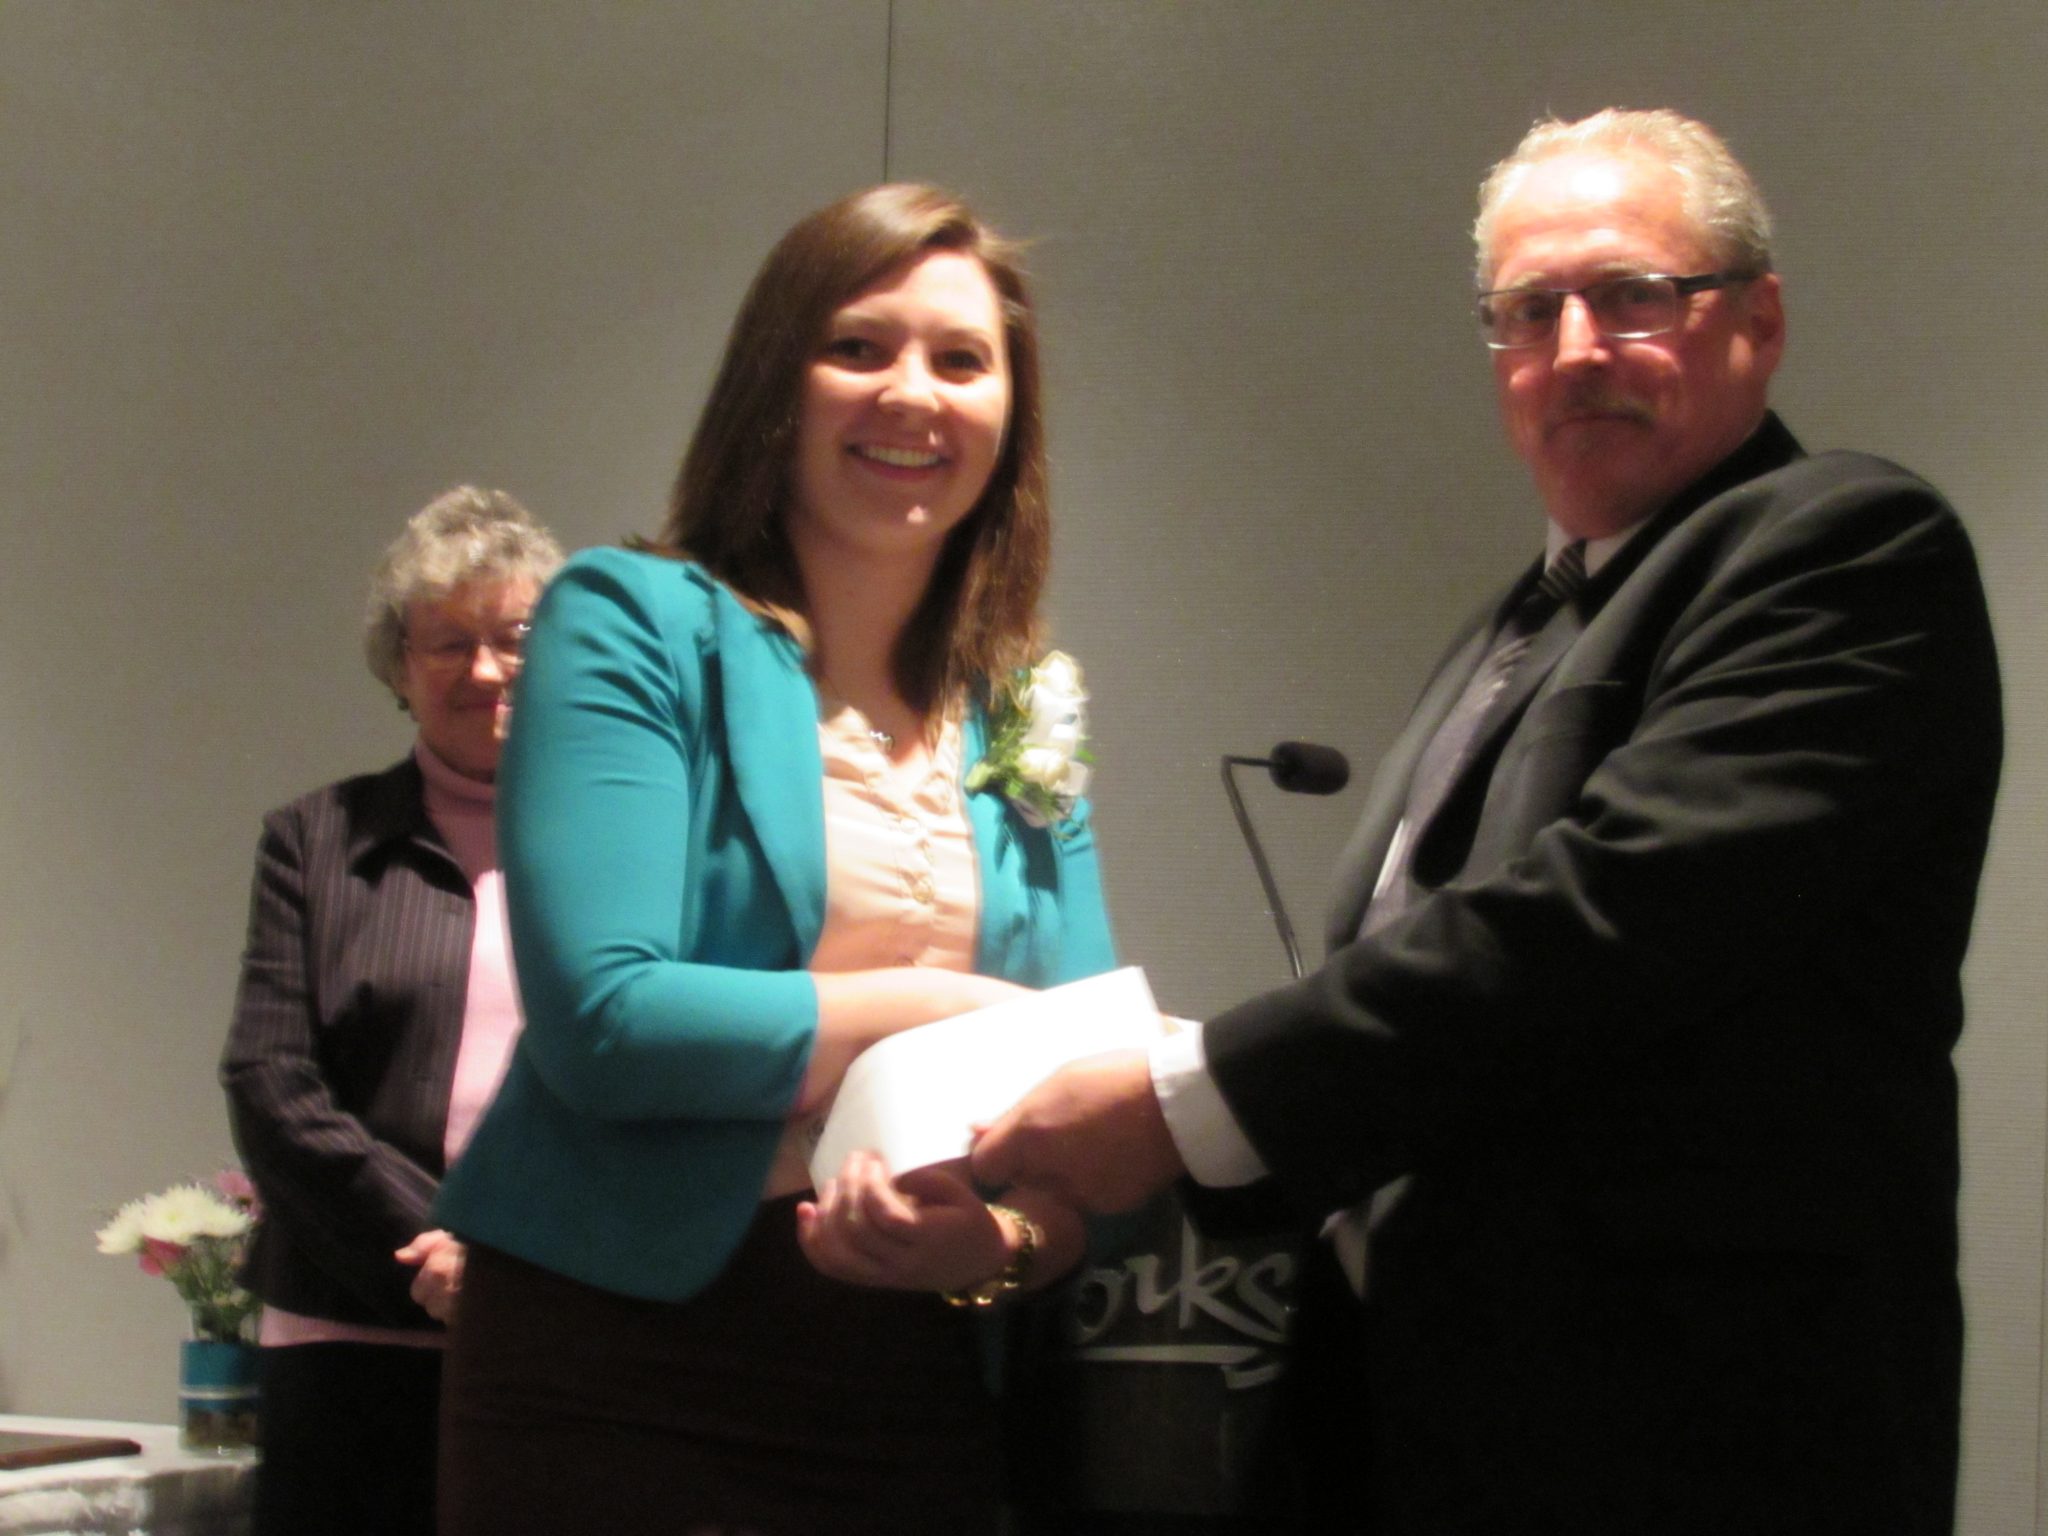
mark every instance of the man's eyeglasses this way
{"type": "Point", "coordinates": [454, 653]}
{"type": "Point", "coordinates": [1622, 308]}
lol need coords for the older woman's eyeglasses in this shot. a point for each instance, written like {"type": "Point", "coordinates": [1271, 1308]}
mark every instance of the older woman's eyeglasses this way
{"type": "Point", "coordinates": [454, 653]}
{"type": "Point", "coordinates": [1622, 308]}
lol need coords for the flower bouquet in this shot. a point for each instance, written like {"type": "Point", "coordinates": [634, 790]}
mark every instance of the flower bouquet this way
{"type": "Point", "coordinates": [1037, 756]}
{"type": "Point", "coordinates": [195, 1236]}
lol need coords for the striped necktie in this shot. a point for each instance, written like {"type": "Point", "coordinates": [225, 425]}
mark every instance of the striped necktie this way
{"type": "Point", "coordinates": [1442, 760]}
{"type": "Point", "coordinates": [1558, 584]}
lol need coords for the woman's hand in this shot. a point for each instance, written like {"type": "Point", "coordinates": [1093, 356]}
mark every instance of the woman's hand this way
{"type": "Point", "coordinates": [925, 1231]}
{"type": "Point", "coordinates": [438, 1256]}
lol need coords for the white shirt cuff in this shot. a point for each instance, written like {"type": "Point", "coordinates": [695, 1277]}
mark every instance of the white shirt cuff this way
{"type": "Point", "coordinates": [1210, 1141]}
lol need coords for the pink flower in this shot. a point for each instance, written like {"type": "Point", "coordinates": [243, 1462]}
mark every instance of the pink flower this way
{"type": "Point", "coordinates": [234, 1185]}
{"type": "Point", "coordinates": [159, 1257]}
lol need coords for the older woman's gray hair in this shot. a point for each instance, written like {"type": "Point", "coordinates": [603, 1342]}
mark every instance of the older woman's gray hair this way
{"type": "Point", "coordinates": [461, 536]}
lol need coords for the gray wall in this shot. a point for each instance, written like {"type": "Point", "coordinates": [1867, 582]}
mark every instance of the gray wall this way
{"type": "Point", "coordinates": [277, 271]}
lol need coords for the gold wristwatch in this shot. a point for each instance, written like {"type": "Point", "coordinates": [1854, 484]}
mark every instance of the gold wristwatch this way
{"type": "Point", "coordinates": [1029, 1236]}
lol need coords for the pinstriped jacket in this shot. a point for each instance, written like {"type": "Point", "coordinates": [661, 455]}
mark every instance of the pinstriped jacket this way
{"type": "Point", "coordinates": [341, 1056]}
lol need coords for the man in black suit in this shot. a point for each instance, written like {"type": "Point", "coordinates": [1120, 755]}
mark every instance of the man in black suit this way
{"type": "Point", "coordinates": [1628, 1073]}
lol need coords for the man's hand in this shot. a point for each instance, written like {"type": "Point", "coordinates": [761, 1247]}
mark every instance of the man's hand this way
{"type": "Point", "coordinates": [1092, 1133]}
{"type": "Point", "coordinates": [438, 1256]}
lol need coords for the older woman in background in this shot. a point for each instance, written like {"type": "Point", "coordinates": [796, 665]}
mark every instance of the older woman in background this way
{"type": "Point", "coordinates": [376, 1011]}
{"type": "Point", "coordinates": [741, 846]}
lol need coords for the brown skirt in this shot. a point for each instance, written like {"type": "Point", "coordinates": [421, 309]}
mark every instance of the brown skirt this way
{"type": "Point", "coordinates": [773, 1403]}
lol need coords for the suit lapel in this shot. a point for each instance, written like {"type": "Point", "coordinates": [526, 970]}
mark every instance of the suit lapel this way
{"type": "Point", "coordinates": [771, 739]}
{"type": "Point", "coordinates": [1359, 870]}
{"type": "Point", "coordinates": [1387, 799]}
{"type": "Point", "coordinates": [1544, 653]}
{"type": "Point", "coordinates": [391, 808]}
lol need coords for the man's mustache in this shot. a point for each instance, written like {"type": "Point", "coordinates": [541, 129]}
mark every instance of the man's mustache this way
{"type": "Point", "coordinates": [1599, 402]}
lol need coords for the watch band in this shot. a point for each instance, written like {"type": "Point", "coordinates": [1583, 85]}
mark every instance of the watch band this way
{"type": "Point", "coordinates": [1030, 1236]}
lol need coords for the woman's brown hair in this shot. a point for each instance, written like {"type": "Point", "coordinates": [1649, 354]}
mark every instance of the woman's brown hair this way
{"type": "Point", "coordinates": [979, 617]}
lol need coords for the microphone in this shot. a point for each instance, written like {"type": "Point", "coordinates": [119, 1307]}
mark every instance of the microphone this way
{"type": "Point", "coordinates": [1300, 768]}
{"type": "Point", "coordinates": [1308, 768]}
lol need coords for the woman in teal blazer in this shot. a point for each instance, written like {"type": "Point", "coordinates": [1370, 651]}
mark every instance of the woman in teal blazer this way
{"type": "Point", "coordinates": [640, 1343]}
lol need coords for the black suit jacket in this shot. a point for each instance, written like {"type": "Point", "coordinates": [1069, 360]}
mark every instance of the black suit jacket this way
{"type": "Point", "coordinates": [341, 1056]}
{"type": "Point", "coordinates": [1657, 1073]}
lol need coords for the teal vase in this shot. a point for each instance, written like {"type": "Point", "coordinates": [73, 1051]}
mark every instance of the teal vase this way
{"type": "Point", "coordinates": [216, 1395]}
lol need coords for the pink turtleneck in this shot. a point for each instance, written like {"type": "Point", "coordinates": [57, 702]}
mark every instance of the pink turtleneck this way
{"type": "Point", "coordinates": [460, 809]}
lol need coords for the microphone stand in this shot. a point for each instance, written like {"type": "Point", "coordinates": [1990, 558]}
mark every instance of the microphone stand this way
{"type": "Point", "coordinates": [1244, 824]}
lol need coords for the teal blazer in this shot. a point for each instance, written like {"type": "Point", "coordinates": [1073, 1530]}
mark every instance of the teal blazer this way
{"type": "Point", "coordinates": [661, 828]}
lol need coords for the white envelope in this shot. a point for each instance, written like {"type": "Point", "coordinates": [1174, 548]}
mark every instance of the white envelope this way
{"type": "Point", "coordinates": [915, 1097]}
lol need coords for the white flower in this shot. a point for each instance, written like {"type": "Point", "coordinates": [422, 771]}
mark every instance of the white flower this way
{"type": "Point", "coordinates": [1053, 701]}
{"type": "Point", "coordinates": [1052, 770]}
{"type": "Point", "coordinates": [124, 1233]}
{"type": "Point", "coordinates": [1060, 673]}
{"type": "Point", "coordinates": [1044, 766]}
{"type": "Point", "coordinates": [186, 1211]}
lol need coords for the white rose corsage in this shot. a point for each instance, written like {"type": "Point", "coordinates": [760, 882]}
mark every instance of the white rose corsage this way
{"type": "Point", "coordinates": [1037, 756]}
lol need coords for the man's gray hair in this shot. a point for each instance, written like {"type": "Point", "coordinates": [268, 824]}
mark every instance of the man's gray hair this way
{"type": "Point", "coordinates": [1720, 199]}
{"type": "Point", "coordinates": [461, 536]}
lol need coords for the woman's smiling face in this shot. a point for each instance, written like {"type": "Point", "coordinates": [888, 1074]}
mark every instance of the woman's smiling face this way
{"type": "Point", "coordinates": [904, 411]}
